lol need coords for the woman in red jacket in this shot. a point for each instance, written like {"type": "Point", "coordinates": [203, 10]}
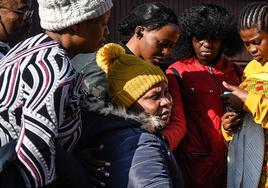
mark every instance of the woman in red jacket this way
{"type": "Point", "coordinates": [208, 35]}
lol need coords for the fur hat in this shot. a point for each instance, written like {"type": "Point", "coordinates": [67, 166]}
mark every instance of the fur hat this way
{"type": "Point", "coordinates": [56, 15]}
{"type": "Point", "coordinates": [129, 77]}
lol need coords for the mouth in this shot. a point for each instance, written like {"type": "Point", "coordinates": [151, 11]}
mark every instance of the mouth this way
{"type": "Point", "coordinates": [165, 116]}
{"type": "Point", "coordinates": [256, 57]}
{"type": "Point", "coordinates": [206, 53]}
{"type": "Point", "coordinates": [158, 60]}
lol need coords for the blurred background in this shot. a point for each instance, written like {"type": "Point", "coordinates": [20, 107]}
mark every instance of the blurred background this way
{"type": "Point", "coordinates": [122, 7]}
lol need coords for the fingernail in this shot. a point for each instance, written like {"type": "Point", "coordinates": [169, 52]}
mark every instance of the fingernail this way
{"type": "Point", "coordinates": [106, 174]}
{"type": "Point", "coordinates": [102, 184]}
{"type": "Point", "coordinates": [101, 146]}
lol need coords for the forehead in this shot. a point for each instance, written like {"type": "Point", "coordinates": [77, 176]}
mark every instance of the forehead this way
{"type": "Point", "coordinates": [253, 33]}
{"type": "Point", "coordinates": [167, 31]}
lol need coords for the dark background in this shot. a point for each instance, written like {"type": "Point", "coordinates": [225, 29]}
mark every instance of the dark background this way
{"type": "Point", "coordinates": [122, 7]}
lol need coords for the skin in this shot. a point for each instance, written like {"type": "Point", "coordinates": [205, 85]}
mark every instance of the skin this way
{"type": "Point", "coordinates": [207, 50]}
{"type": "Point", "coordinates": [13, 22]}
{"type": "Point", "coordinates": [84, 37]}
{"type": "Point", "coordinates": [154, 46]}
{"type": "Point", "coordinates": [256, 43]}
{"type": "Point", "coordinates": [156, 101]}
{"type": "Point", "coordinates": [231, 121]}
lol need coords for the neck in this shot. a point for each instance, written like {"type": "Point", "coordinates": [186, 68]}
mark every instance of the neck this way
{"type": "Point", "coordinates": [133, 46]}
{"type": "Point", "coordinates": [64, 39]}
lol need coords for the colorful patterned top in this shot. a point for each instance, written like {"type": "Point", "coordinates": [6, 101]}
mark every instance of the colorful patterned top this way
{"type": "Point", "coordinates": [255, 81]}
{"type": "Point", "coordinates": [39, 105]}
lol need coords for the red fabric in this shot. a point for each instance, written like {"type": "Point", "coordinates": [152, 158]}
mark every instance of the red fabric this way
{"type": "Point", "coordinates": [201, 155]}
{"type": "Point", "coordinates": [175, 130]}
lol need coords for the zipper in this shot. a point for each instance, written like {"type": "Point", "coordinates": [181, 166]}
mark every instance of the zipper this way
{"type": "Point", "coordinates": [218, 85]}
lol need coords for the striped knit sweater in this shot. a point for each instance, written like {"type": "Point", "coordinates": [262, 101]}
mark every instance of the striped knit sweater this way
{"type": "Point", "coordinates": [39, 106]}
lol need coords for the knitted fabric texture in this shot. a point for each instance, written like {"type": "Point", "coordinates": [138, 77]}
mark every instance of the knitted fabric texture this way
{"type": "Point", "coordinates": [56, 15]}
{"type": "Point", "coordinates": [129, 77]}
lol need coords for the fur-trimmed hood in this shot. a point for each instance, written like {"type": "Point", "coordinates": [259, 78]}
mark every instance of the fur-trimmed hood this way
{"type": "Point", "coordinates": [147, 122]}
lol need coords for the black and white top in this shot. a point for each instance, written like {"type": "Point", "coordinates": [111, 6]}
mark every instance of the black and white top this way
{"type": "Point", "coordinates": [39, 105]}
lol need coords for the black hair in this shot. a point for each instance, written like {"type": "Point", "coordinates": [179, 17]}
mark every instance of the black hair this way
{"type": "Point", "coordinates": [254, 15]}
{"type": "Point", "coordinates": [208, 21]}
{"type": "Point", "coordinates": [150, 15]}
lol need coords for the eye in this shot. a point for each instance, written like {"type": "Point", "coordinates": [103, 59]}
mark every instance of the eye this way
{"type": "Point", "coordinates": [256, 42]}
{"type": "Point", "coordinates": [155, 96]}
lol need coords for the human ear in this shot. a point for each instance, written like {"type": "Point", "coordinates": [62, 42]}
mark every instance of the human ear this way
{"type": "Point", "coordinates": [139, 31]}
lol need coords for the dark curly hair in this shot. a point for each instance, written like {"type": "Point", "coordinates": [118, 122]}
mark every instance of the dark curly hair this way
{"type": "Point", "coordinates": [150, 15]}
{"type": "Point", "coordinates": [254, 15]}
{"type": "Point", "coordinates": [208, 21]}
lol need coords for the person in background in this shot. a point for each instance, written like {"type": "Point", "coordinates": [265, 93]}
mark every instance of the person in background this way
{"type": "Point", "coordinates": [250, 97]}
{"type": "Point", "coordinates": [153, 31]}
{"type": "Point", "coordinates": [15, 21]}
{"type": "Point", "coordinates": [40, 90]}
{"type": "Point", "coordinates": [129, 126]}
{"type": "Point", "coordinates": [208, 35]}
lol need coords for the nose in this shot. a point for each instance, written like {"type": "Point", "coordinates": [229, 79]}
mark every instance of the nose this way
{"type": "Point", "coordinates": [206, 43]}
{"type": "Point", "coordinates": [107, 31]}
{"type": "Point", "coordinates": [166, 52]}
{"type": "Point", "coordinates": [252, 49]}
{"type": "Point", "coordinates": [165, 101]}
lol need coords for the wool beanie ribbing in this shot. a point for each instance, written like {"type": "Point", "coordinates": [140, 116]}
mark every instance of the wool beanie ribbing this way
{"type": "Point", "coordinates": [56, 15]}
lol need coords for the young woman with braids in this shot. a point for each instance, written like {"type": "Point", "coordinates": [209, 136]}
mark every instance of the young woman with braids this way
{"type": "Point", "coordinates": [250, 143]}
{"type": "Point", "coordinates": [208, 35]}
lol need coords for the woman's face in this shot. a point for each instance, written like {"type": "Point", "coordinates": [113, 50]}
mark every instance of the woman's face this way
{"type": "Point", "coordinates": [256, 43]}
{"type": "Point", "coordinates": [92, 33]}
{"type": "Point", "coordinates": [157, 102]}
{"type": "Point", "coordinates": [155, 45]}
{"type": "Point", "coordinates": [207, 50]}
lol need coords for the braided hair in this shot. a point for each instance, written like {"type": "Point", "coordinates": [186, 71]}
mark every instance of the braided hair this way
{"type": "Point", "coordinates": [255, 15]}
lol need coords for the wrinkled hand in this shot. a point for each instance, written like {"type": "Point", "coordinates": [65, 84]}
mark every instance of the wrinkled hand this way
{"type": "Point", "coordinates": [232, 121]}
{"type": "Point", "coordinates": [95, 167]}
{"type": "Point", "coordinates": [236, 99]}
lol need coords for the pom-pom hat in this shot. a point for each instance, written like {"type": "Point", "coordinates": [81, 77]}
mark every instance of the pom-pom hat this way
{"type": "Point", "coordinates": [129, 76]}
{"type": "Point", "coordinates": [56, 15]}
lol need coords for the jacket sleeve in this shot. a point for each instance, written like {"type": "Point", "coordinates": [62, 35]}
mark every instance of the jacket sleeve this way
{"type": "Point", "coordinates": [257, 106]}
{"type": "Point", "coordinates": [176, 128]}
{"type": "Point", "coordinates": [47, 118]}
{"type": "Point", "coordinates": [149, 166]}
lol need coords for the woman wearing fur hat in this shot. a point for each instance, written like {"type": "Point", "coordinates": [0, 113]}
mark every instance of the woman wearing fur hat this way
{"type": "Point", "coordinates": [39, 94]}
{"type": "Point", "coordinates": [128, 127]}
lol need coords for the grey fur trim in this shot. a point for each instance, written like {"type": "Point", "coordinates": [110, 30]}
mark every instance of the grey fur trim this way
{"type": "Point", "coordinates": [149, 122]}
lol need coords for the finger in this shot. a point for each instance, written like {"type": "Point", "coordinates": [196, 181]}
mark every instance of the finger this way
{"type": "Point", "coordinates": [229, 86]}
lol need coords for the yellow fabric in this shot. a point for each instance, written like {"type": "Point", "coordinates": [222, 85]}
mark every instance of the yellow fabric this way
{"type": "Point", "coordinates": [129, 77]}
{"type": "Point", "coordinates": [226, 135]}
{"type": "Point", "coordinates": [256, 83]}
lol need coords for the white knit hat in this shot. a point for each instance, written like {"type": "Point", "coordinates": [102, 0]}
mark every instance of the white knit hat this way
{"type": "Point", "coordinates": [56, 15]}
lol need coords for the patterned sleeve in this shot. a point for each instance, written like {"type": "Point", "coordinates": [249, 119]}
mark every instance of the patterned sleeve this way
{"type": "Point", "coordinates": [50, 115]}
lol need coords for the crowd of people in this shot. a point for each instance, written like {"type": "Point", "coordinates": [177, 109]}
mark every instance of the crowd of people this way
{"type": "Point", "coordinates": [121, 116]}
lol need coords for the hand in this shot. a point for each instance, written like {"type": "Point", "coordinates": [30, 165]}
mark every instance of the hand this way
{"type": "Point", "coordinates": [95, 167]}
{"type": "Point", "coordinates": [236, 99]}
{"type": "Point", "coordinates": [232, 121]}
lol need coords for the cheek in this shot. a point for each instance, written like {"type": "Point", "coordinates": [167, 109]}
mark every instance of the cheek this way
{"type": "Point", "coordinates": [151, 108]}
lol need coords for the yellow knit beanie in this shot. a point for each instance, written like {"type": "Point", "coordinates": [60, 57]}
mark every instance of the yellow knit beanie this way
{"type": "Point", "coordinates": [129, 77]}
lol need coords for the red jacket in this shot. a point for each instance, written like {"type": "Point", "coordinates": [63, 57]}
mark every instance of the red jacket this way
{"type": "Point", "coordinates": [201, 154]}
